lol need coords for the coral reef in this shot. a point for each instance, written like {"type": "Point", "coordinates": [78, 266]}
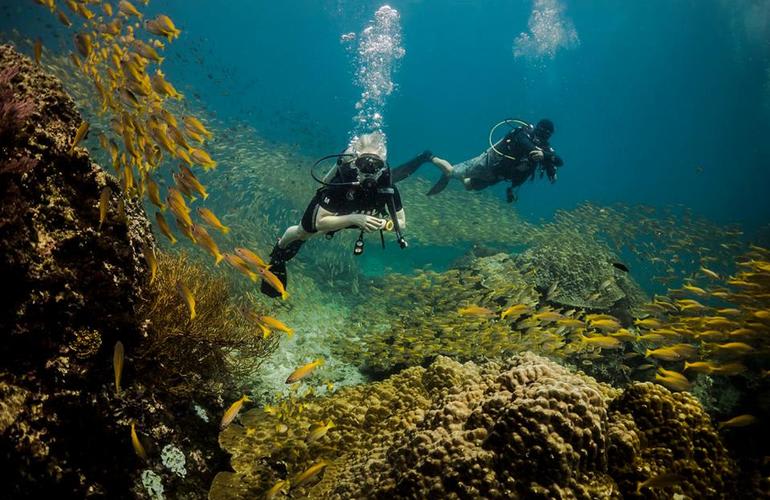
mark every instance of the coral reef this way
{"type": "Point", "coordinates": [76, 283]}
{"type": "Point", "coordinates": [523, 427]}
{"type": "Point", "coordinates": [579, 270]}
{"type": "Point", "coordinates": [72, 291]}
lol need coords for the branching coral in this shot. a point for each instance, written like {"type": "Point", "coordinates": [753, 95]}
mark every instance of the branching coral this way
{"type": "Point", "coordinates": [212, 350]}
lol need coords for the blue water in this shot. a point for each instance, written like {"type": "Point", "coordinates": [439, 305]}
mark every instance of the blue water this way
{"type": "Point", "coordinates": [659, 102]}
{"type": "Point", "coordinates": [653, 93]}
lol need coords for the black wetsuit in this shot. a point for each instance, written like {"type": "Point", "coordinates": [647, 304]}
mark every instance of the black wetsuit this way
{"type": "Point", "coordinates": [343, 200]}
{"type": "Point", "coordinates": [519, 144]}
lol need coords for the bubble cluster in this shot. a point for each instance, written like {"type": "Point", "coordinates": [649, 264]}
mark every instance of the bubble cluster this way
{"type": "Point", "coordinates": [379, 49]}
{"type": "Point", "coordinates": [549, 31]}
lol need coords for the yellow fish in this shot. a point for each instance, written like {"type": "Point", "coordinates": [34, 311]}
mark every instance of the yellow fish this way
{"type": "Point", "coordinates": [602, 341]}
{"type": "Point", "coordinates": [304, 371]}
{"type": "Point", "coordinates": [240, 265]}
{"type": "Point", "coordinates": [676, 382]}
{"type": "Point", "coordinates": [104, 204]}
{"type": "Point", "coordinates": [739, 421]}
{"type": "Point", "coordinates": [571, 323]}
{"type": "Point", "coordinates": [163, 225]}
{"type": "Point", "coordinates": [152, 263]}
{"type": "Point", "coordinates": [127, 8]}
{"type": "Point", "coordinates": [232, 412]}
{"type": "Point", "coordinates": [475, 311]}
{"type": "Point", "coordinates": [153, 192]}
{"type": "Point", "coordinates": [187, 296]}
{"type": "Point", "coordinates": [38, 49]}
{"type": "Point", "coordinates": [548, 316]}
{"type": "Point", "coordinates": [79, 135]}
{"type": "Point", "coordinates": [652, 337]}
{"type": "Point", "coordinates": [708, 272]}
{"type": "Point", "coordinates": [606, 325]}
{"type": "Point", "coordinates": [729, 369]}
{"type": "Point", "coordinates": [696, 290]}
{"type": "Point", "coordinates": [273, 281]}
{"type": "Point", "coordinates": [162, 26]}
{"type": "Point", "coordinates": [212, 220]}
{"type": "Point", "coordinates": [650, 323]}
{"type": "Point", "coordinates": [63, 18]}
{"type": "Point", "coordinates": [318, 431]}
{"type": "Point", "coordinates": [193, 182]}
{"type": "Point", "coordinates": [706, 367]}
{"type": "Point", "coordinates": [204, 240]}
{"type": "Point", "coordinates": [107, 8]}
{"type": "Point", "coordinates": [276, 324]}
{"type": "Point", "coordinates": [659, 481]}
{"type": "Point", "coordinates": [251, 258]}
{"type": "Point", "coordinates": [163, 86]}
{"type": "Point", "coordinates": [734, 347]}
{"type": "Point", "coordinates": [195, 125]}
{"type": "Point", "coordinates": [117, 364]}
{"type": "Point", "coordinates": [202, 158]}
{"type": "Point", "coordinates": [186, 229]}
{"type": "Point", "coordinates": [281, 486]}
{"type": "Point", "coordinates": [138, 448]}
{"type": "Point", "coordinates": [624, 335]}
{"type": "Point", "coordinates": [310, 473]}
{"type": "Point", "coordinates": [84, 44]}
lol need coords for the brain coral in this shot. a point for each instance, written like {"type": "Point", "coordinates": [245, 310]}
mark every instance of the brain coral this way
{"type": "Point", "coordinates": [523, 428]}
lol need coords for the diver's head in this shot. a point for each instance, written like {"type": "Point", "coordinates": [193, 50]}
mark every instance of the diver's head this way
{"type": "Point", "coordinates": [368, 154]}
{"type": "Point", "coordinates": [544, 129]}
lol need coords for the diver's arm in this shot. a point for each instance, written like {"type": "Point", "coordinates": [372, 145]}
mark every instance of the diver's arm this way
{"type": "Point", "coordinates": [327, 221]}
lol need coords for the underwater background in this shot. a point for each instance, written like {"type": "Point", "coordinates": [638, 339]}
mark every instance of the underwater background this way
{"type": "Point", "coordinates": [605, 336]}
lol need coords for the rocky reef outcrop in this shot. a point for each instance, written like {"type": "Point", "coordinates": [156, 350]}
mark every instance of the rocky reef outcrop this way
{"type": "Point", "coordinates": [524, 427]}
{"type": "Point", "coordinates": [579, 272]}
{"type": "Point", "coordinates": [73, 284]}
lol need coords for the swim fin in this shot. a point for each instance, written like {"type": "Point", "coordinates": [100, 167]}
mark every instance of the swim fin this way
{"type": "Point", "coordinates": [439, 186]}
{"type": "Point", "coordinates": [279, 269]}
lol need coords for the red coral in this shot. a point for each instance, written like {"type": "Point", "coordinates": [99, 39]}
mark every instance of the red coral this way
{"type": "Point", "coordinates": [13, 111]}
{"type": "Point", "coordinates": [18, 165]}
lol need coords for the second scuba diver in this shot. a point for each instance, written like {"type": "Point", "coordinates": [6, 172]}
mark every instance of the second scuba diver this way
{"type": "Point", "coordinates": [356, 193]}
{"type": "Point", "coordinates": [516, 158]}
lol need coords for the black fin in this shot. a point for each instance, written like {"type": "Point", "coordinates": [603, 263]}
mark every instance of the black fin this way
{"type": "Point", "coordinates": [439, 186]}
{"type": "Point", "coordinates": [279, 269]}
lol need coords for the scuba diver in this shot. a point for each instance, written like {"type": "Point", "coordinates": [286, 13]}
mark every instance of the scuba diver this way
{"type": "Point", "coordinates": [356, 193]}
{"type": "Point", "coordinates": [516, 157]}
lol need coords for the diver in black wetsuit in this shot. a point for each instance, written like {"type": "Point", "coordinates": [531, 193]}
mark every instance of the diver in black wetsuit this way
{"type": "Point", "coordinates": [516, 158]}
{"type": "Point", "coordinates": [357, 193]}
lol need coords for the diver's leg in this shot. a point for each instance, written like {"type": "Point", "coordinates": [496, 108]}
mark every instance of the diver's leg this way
{"type": "Point", "coordinates": [288, 245]}
{"type": "Point", "coordinates": [401, 172]}
{"type": "Point", "coordinates": [449, 171]}
{"type": "Point", "coordinates": [292, 234]}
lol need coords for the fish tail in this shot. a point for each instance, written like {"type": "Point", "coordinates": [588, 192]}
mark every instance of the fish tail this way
{"type": "Point", "coordinates": [225, 229]}
{"type": "Point", "coordinates": [218, 258]}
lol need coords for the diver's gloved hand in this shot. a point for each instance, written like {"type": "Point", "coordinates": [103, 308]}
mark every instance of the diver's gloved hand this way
{"type": "Point", "coordinates": [426, 156]}
{"type": "Point", "coordinates": [536, 155]}
{"type": "Point", "coordinates": [367, 223]}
